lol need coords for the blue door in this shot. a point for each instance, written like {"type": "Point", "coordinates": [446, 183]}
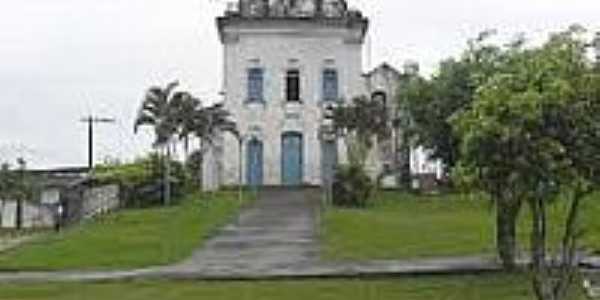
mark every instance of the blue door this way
{"type": "Point", "coordinates": [254, 163]}
{"type": "Point", "coordinates": [329, 160]}
{"type": "Point", "coordinates": [291, 159]}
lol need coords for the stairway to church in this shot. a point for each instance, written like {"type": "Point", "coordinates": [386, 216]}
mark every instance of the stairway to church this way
{"type": "Point", "coordinates": [279, 230]}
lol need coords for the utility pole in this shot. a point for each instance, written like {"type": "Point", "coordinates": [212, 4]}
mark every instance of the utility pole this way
{"type": "Point", "coordinates": [91, 120]}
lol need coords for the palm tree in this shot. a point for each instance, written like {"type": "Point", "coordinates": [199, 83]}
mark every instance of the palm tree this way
{"type": "Point", "coordinates": [207, 124]}
{"type": "Point", "coordinates": [185, 107]}
{"type": "Point", "coordinates": [215, 120]}
{"type": "Point", "coordinates": [181, 115]}
{"type": "Point", "coordinates": [158, 110]}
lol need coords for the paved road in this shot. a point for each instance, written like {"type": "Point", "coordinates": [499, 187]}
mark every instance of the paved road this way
{"type": "Point", "coordinates": [278, 230]}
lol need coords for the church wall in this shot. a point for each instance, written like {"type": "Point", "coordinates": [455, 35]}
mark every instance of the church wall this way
{"type": "Point", "coordinates": [276, 50]}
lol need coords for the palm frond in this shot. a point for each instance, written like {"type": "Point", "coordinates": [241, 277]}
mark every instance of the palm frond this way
{"type": "Point", "coordinates": [170, 88]}
{"type": "Point", "coordinates": [143, 119]}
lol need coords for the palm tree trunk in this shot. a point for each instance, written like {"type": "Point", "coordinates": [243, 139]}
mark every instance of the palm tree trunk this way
{"type": "Point", "coordinates": [405, 172]}
{"type": "Point", "coordinates": [186, 146]}
{"type": "Point", "coordinates": [201, 167]}
{"type": "Point", "coordinates": [319, 8]}
{"type": "Point", "coordinates": [19, 211]}
{"type": "Point", "coordinates": [167, 176]}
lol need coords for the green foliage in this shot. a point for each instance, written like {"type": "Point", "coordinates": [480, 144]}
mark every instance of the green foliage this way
{"type": "Point", "coordinates": [431, 103]}
{"type": "Point", "coordinates": [535, 122]}
{"type": "Point", "coordinates": [360, 123]}
{"type": "Point", "coordinates": [352, 187]}
{"type": "Point", "coordinates": [193, 167]}
{"type": "Point", "coordinates": [159, 109]}
{"type": "Point", "coordinates": [531, 135]}
{"type": "Point", "coordinates": [140, 176]}
{"type": "Point", "coordinates": [16, 184]}
{"type": "Point", "coordinates": [181, 115]}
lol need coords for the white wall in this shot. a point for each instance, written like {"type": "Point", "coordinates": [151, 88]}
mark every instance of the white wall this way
{"type": "Point", "coordinates": [33, 216]}
{"type": "Point", "coordinates": [100, 200]}
{"type": "Point", "coordinates": [9, 213]}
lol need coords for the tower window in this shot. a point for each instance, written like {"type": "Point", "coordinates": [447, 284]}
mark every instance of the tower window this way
{"type": "Point", "coordinates": [255, 85]}
{"type": "Point", "coordinates": [293, 85]}
{"type": "Point", "coordinates": [330, 85]}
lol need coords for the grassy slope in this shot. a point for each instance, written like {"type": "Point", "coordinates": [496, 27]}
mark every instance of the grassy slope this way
{"type": "Point", "coordinates": [422, 288]}
{"type": "Point", "coordinates": [131, 238]}
{"type": "Point", "coordinates": [406, 226]}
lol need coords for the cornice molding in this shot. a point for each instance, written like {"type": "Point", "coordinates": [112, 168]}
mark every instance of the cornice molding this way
{"type": "Point", "coordinates": [230, 27]}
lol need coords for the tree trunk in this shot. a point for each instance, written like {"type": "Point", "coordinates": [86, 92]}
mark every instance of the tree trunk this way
{"type": "Point", "coordinates": [201, 166]}
{"type": "Point", "coordinates": [553, 281]}
{"type": "Point", "coordinates": [19, 217]}
{"type": "Point", "coordinates": [506, 233]}
{"type": "Point", "coordinates": [542, 284]}
{"type": "Point", "coordinates": [186, 147]}
{"type": "Point", "coordinates": [319, 8]}
{"type": "Point", "coordinates": [167, 176]}
{"type": "Point", "coordinates": [405, 172]}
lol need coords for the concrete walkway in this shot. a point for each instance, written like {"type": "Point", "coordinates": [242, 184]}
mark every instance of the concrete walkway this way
{"type": "Point", "coordinates": [279, 230]}
{"type": "Point", "coordinates": [276, 238]}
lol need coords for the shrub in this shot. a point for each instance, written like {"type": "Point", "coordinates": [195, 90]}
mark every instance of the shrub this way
{"type": "Point", "coordinates": [352, 187]}
{"type": "Point", "coordinates": [141, 181]}
{"type": "Point", "coordinates": [193, 169]}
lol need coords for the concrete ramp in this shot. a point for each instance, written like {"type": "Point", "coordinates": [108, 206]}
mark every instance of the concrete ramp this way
{"type": "Point", "coordinates": [278, 231]}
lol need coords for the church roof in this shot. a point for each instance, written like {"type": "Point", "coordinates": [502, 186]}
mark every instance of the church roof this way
{"type": "Point", "coordinates": [384, 67]}
{"type": "Point", "coordinates": [289, 9]}
{"type": "Point", "coordinates": [256, 14]}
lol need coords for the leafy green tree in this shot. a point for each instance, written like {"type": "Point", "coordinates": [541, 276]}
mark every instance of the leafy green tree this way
{"type": "Point", "coordinates": [433, 102]}
{"type": "Point", "coordinates": [402, 122]}
{"type": "Point", "coordinates": [532, 136]}
{"type": "Point", "coordinates": [361, 124]}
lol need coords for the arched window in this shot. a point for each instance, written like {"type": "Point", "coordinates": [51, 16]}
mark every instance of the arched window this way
{"type": "Point", "coordinates": [380, 96]}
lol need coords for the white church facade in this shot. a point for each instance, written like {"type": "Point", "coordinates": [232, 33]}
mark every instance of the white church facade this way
{"type": "Point", "coordinates": [285, 63]}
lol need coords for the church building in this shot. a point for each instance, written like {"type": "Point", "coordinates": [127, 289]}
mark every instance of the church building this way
{"type": "Point", "coordinates": [286, 63]}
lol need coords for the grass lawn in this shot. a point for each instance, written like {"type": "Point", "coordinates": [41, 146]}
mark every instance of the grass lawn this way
{"type": "Point", "coordinates": [128, 239]}
{"type": "Point", "coordinates": [489, 287]}
{"type": "Point", "coordinates": [407, 226]}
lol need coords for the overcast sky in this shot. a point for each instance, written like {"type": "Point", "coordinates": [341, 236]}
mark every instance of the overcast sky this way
{"type": "Point", "coordinates": [63, 59]}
